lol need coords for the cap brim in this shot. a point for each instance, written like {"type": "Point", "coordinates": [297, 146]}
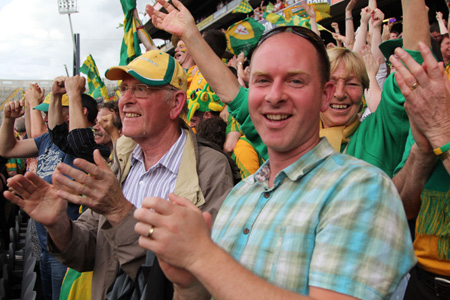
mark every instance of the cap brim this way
{"type": "Point", "coordinates": [41, 107]}
{"type": "Point", "coordinates": [116, 73]}
{"type": "Point", "coordinates": [388, 47]}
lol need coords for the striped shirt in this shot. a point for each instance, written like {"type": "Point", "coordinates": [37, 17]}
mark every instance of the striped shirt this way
{"type": "Point", "coordinates": [329, 221]}
{"type": "Point", "coordinates": [159, 180]}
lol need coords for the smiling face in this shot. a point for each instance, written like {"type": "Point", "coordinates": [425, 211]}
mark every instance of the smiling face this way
{"type": "Point", "coordinates": [286, 94]}
{"type": "Point", "coordinates": [347, 100]}
{"type": "Point", "coordinates": [100, 135]}
{"type": "Point", "coordinates": [445, 48]}
{"type": "Point", "coordinates": [144, 118]}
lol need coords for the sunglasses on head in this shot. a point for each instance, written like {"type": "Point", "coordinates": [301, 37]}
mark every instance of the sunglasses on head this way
{"type": "Point", "coordinates": [298, 30]}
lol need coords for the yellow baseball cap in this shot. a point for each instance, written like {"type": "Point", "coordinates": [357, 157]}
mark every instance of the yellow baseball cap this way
{"type": "Point", "coordinates": [44, 105]}
{"type": "Point", "coordinates": [154, 68]}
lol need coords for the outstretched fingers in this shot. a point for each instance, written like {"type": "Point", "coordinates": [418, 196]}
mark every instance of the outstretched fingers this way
{"type": "Point", "coordinates": [14, 198]}
{"type": "Point", "coordinates": [21, 185]}
{"type": "Point", "coordinates": [432, 66]}
{"type": "Point", "coordinates": [422, 74]}
{"type": "Point", "coordinates": [71, 189]}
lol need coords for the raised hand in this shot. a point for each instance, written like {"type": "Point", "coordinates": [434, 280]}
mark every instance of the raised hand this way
{"type": "Point", "coordinates": [58, 88]}
{"type": "Point", "coordinates": [338, 37]}
{"type": "Point", "coordinates": [371, 64]}
{"type": "Point", "coordinates": [96, 188]}
{"type": "Point", "coordinates": [75, 85]}
{"type": "Point", "coordinates": [427, 96]}
{"type": "Point", "coordinates": [177, 21]}
{"type": "Point", "coordinates": [37, 198]}
{"type": "Point", "coordinates": [107, 123]}
{"type": "Point", "coordinates": [309, 10]}
{"type": "Point", "coordinates": [378, 17]}
{"type": "Point", "coordinates": [335, 27]}
{"type": "Point", "coordinates": [366, 14]}
{"type": "Point", "coordinates": [13, 109]}
{"type": "Point", "coordinates": [34, 95]}
{"type": "Point", "coordinates": [351, 5]}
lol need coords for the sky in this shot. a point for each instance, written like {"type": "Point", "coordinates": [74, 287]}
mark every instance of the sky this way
{"type": "Point", "coordinates": [36, 43]}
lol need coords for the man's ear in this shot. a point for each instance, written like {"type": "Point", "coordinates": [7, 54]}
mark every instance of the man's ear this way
{"type": "Point", "coordinates": [178, 102]}
{"type": "Point", "coordinates": [207, 115]}
{"type": "Point", "coordinates": [85, 112]}
{"type": "Point", "coordinates": [327, 95]}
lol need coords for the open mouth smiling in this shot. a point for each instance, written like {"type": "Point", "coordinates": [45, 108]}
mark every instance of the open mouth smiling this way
{"type": "Point", "coordinates": [132, 115]}
{"type": "Point", "coordinates": [339, 106]}
{"type": "Point", "coordinates": [277, 117]}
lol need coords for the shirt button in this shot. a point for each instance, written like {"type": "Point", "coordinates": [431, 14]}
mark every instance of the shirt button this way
{"type": "Point", "coordinates": [141, 182]}
{"type": "Point", "coordinates": [246, 231]}
{"type": "Point", "coordinates": [266, 195]}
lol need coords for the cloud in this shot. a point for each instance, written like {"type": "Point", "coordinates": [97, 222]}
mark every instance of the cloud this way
{"type": "Point", "coordinates": [35, 40]}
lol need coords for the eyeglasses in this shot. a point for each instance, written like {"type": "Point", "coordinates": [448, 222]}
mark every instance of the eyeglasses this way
{"type": "Point", "coordinates": [142, 90]}
{"type": "Point", "coordinates": [298, 30]}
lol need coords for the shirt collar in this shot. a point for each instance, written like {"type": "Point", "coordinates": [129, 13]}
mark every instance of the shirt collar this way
{"type": "Point", "coordinates": [170, 160]}
{"type": "Point", "coordinates": [301, 167]}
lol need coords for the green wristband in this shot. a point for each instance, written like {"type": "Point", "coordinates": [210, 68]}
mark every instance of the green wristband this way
{"type": "Point", "coordinates": [441, 150]}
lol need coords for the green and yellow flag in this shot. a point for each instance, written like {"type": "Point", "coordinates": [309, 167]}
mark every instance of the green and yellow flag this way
{"type": "Point", "coordinates": [130, 44]}
{"type": "Point", "coordinates": [322, 11]}
{"type": "Point", "coordinates": [76, 285]}
{"type": "Point", "coordinates": [97, 88]}
{"type": "Point", "coordinates": [279, 20]}
{"type": "Point", "coordinates": [244, 8]}
{"type": "Point", "coordinates": [269, 7]}
{"type": "Point", "coordinates": [243, 36]}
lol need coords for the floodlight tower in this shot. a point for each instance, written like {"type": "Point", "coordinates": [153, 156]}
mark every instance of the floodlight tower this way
{"type": "Point", "coordinates": [70, 7]}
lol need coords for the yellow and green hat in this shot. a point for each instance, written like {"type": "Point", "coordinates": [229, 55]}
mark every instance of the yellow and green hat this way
{"type": "Point", "coordinates": [44, 105]}
{"type": "Point", "coordinates": [154, 68]}
{"type": "Point", "coordinates": [203, 101]}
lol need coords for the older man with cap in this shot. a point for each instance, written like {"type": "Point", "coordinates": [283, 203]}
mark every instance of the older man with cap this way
{"type": "Point", "coordinates": [157, 155]}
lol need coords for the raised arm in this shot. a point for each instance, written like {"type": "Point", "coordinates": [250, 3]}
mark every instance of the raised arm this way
{"type": "Point", "coordinates": [386, 33]}
{"type": "Point", "coordinates": [33, 119]}
{"type": "Point", "coordinates": [75, 86]}
{"type": "Point", "coordinates": [312, 17]}
{"type": "Point", "coordinates": [9, 146]}
{"type": "Point", "coordinates": [373, 93]}
{"type": "Point", "coordinates": [336, 30]}
{"type": "Point", "coordinates": [143, 35]}
{"type": "Point", "coordinates": [377, 24]}
{"type": "Point", "coordinates": [349, 27]}
{"type": "Point", "coordinates": [55, 114]}
{"type": "Point", "coordinates": [442, 28]}
{"type": "Point", "coordinates": [361, 36]}
{"type": "Point", "coordinates": [180, 22]}
{"type": "Point", "coordinates": [415, 24]}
